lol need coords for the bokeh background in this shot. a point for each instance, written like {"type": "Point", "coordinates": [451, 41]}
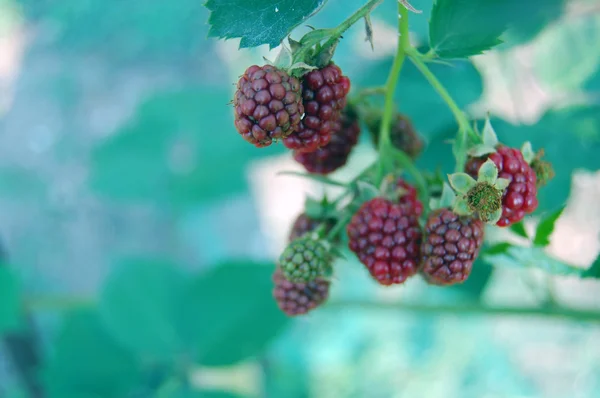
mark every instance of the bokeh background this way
{"type": "Point", "coordinates": [117, 142]}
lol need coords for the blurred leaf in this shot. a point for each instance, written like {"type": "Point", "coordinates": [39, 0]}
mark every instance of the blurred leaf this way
{"type": "Point", "coordinates": [20, 183]}
{"type": "Point", "coordinates": [139, 304]}
{"type": "Point", "coordinates": [230, 313]}
{"type": "Point", "coordinates": [181, 149]}
{"type": "Point", "coordinates": [87, 362]}
{"type": "Point", "coordinates": [417, 99]}
{"type": "Point", "coordinates": [10, 300]}
{"type": "Point", "coordinates": [570, 139]}
{"type": "Point", "coordinates": [539, 14]}
{"type": "Point", "coordinates": [187, 393]}
{"type": "Point", "coordinates": [519, 229]}
{"type": "Point", "coordinates": [258, 22]}
{"type": "Point", "coordinates": [531, 257]}
{"type": "Point", "coordinates": [593, 271]}
{"type": "Point", "coordinates": [546, 227]}
{"type": "Point", "coordinates": [478, 280]}
{"type": "Point", "coordinates": [498, 248]}
{"type": "Point", "coordinates": [126, 30]}
{"type": "Point", "coordinates": [463, 28]}
{"type": "Point", "coordinates": [567, 55]}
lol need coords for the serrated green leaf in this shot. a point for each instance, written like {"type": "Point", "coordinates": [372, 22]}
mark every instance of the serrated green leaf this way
{"type": "Point", "coordinates": [71, 372]}
{"type": "Point", "coordinates": [519, 229]}
{"type": "Point", "coordinates": [459, 29]}
{"type": "Point", "coordinates": [567, 55]}
{"type": "Point", "coordinates": [418, 100]}
{"type": "Point", "coordinates": [10, 300]}
{"type": "Point", "coordinates": [546, 227]}
{"type": "Point", "coordinates": [258, 22]}
{"type": "Point", "coordinates": [139, 304]}
{"type": "Point", "coordinates": [230, 313]}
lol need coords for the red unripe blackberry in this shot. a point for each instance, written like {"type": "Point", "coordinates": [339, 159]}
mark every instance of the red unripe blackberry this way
{"type": "Point", "coordinates": [386, 238]}
{"type": "Point", "coordinates": [450, 246]}
{"type": "Point", "coordinates": [324, 94]}
{"type": "Point", "coordinates": [298, 298]}
{"type": "Point", "coordinates": [409, 197]}
{"type": "Point", "coordinates": [335, 154]}
{"type": "Point", "coordinates": [268, 105]}
{"type": "Point", "coordinates": [304, 224]}
{"type": "Point", "coordinates": [520, 197]}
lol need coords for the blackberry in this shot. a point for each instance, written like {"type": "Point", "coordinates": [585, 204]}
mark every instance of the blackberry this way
{"type": "Point", "coordinates": [450, 246]}
{"type": "Point", "coordinates": [402, 135]}
{"type": "Point", "coordinates": [305, 259]}
{"type": "Point", "coordinates": [324, 94]}
{"type": "Point", "coordinates": [268, 105]}
{"type": "Point", "coordinates": [409, 196]}
{"type": "Point", "coordinates": [386, 238]}
{"type": "Point", "coordinates": [520, 197]}
{"type": "Point", "coordinates": [335, 154]}
{"type": "Point", "coordinates": [304, 224]}
{"type": "Point", "coordinates": [298, 298]}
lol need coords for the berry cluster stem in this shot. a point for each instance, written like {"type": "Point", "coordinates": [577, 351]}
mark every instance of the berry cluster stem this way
{"type": "Point", "coordinates": [464, 129]}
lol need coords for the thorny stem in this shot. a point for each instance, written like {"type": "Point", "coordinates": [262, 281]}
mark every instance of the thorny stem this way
{"type": "Point", "coordinates": [338, 226]}
{"type": "Point", "coordinates": [344, 26]}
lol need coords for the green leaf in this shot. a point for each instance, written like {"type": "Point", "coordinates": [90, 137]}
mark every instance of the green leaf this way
{"type": "Point", "coordinates": [546, 227]}
{"type": "Point", "coordinates": [168, 154]}
{"type": "Point", "coordinates": [478, 280]}
{"type": "Point", "coordinates": [567, 55]}
{"type": "Point", "coordinates": [531, 257]}
{"type": "Point", "coordinates": [519, 229]}
{"type": "Point", "coordinates": [259, 21]}
{"type": "Point", "coordinates": [419, 101]}
{"type": "Point", "coordinates": [88, 362]}
{"type": "Point", "coordinates": [593, 271]}
{"type": "Point", "coordinates": [461, 182]}
{"type": "Point", "coordinates": [10, 300]}
{"type": "Point", "coordinates": [139, 304]}
{"type": "Point", "coordinates": [459, 29]}
{"type": "Point", "coordinates": [230, 313]}
{"type": "Point", "coordinates": [535, 15]}
{"type": "Point", "coordinates": [570, 139]}
{"type": "Point", "coordinates": [188, 393]}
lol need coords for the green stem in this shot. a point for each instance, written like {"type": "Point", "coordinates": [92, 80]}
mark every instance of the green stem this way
{"type": "Point", "coordinates": [338, 227]}
{"type": "Point", "coordinates": [344, 26]}
{"type": "Point", "coordinates": [390, 86]}
{"type": "Point", "coordinates": [471, 309]}
{"type": "Point", "coordinates": [464, 129]}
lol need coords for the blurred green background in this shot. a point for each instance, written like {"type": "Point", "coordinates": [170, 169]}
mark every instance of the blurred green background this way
{"type": "Point", "coordinates": [140, 230]}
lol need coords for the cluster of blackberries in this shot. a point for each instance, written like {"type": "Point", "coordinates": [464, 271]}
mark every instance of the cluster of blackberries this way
{"type": "Point", "coordinates": [310, 115]}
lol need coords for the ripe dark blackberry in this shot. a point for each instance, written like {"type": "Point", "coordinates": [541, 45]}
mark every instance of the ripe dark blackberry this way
{"type": "Point", "coordinates": [402, 135]}
{"type": "Point", "coordinates": [268, 105]}
{"type": "Point", "coordinates": [409, 196]}
{"type": "Point", "coordinates": [324, 96]}
{"type": "Point", "coordinates": [386, 237]}
{"type": "Point", "coordinates": [520, 197]}
{"type": "Point", "coordinates": [298, 298]}
{"type": "Point", "coordinates": [304, 224]}
{"type": "Point", "coordinates": [335, 154]}
{"type": "Point", "coordinates": [450, 246]}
